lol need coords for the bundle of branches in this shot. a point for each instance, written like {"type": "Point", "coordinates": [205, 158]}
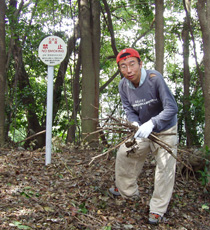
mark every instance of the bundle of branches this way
{"type": "Point", "coordinates": [119, 125]}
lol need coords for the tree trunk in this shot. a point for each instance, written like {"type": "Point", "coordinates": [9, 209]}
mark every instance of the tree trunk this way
{"type": "Point", "coordinates": [203, 7]}
{"type": "Point", "coordinates": [110, 27]}
{"type": "Point", "coordinates": [2, 71]}
{"type": "Point", "coordinates": [159, 35]}
{"type": "Point", "coordinates": [58, 87]}
{"type": "Point", "coordinates": [90, 50]}
{"type": "Point", "coordinates": [186, 79]}
{"type": "Point", "coordinates": [76, 91]}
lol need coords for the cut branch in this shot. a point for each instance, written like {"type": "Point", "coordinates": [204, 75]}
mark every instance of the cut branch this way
{"type": "Point", "coordinates": [119, 125]}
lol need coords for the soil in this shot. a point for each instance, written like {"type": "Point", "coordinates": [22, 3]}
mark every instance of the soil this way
{"type": "Point", "coordinates": [71, 194]}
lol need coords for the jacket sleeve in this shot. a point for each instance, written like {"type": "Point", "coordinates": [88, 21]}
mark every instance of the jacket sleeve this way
{"type": "Point", "coordinates": [169, 104]}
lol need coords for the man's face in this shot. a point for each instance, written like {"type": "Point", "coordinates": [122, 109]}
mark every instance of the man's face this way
{"type": "Point", "coordinates": [131, 70]}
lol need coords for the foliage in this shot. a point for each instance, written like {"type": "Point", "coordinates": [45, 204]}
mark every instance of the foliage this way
{"type": "Point", "coordinates": [204, 174]}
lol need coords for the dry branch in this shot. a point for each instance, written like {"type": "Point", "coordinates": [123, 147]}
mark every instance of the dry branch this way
{"type": "Point", "coordinates": [32, 136]}
{"type": "Point", "coordinates": [110, 149]}
{"type": "Point", "coordinates": [118, 125]}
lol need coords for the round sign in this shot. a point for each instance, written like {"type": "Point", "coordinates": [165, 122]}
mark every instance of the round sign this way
{"type": "Point", "coordinates": [52, 50]}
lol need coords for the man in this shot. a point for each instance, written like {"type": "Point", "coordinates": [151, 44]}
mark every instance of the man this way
{"type": "Point", "coordinates": [150, 105]}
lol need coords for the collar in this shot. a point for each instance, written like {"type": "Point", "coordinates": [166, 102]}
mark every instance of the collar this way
{"type": "Point", "coordinates": [143, 76]}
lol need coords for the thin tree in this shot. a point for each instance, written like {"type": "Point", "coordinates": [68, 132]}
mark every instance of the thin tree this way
{"type": "Point", "coordinates": [76, 101]}
{"type": "Point", "coordinates": [186, 78]}
{"type": "Point", "coordinates": [2, 70]}
{"type": "Point", "coordinates": [159, 35]}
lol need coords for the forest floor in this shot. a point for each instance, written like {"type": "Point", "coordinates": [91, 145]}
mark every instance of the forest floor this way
{"type": "Point", "coordinates": [71, 194]}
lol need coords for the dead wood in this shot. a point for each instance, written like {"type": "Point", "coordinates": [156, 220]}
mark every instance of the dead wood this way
{"type": "Point", "coordinates": [119, 125]}
{"type": "Point", "coordinates": [32, 136]}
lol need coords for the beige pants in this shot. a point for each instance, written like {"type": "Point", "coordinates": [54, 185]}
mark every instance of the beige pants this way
{"type": "Point", "coordinates": [128, 168]}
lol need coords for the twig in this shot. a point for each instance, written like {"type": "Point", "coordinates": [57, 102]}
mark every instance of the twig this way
{"type": "Point", "coordinates": [69, 170]}
{"type": "Point", "coordinates": [108, 151]}
{"type": "Point", "coordinates": [167, 147]}
{"type": "Point", "coordinates": [28, 138]}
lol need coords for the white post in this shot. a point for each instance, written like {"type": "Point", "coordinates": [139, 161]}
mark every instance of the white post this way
{"type": "Point", "coordinates": [52, 51]}
{"type": "Point", "coordinates": [49, 114]}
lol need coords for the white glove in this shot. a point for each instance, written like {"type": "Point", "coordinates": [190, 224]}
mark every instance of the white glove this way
{"type": "Point", "coordinates": [144, 130]}
{"type": "Point", "coordinates": [135, 123]}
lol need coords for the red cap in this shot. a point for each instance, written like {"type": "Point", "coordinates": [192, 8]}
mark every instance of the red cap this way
{"type": "Point", "coordinates": [129, 52]}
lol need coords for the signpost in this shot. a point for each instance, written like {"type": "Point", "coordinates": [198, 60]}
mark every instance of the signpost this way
{"type": "Point", "coordinates": [52, 51]}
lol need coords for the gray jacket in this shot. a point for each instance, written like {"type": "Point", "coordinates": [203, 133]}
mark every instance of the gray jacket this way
{"type": "Point", "coordinates": [151, 100]}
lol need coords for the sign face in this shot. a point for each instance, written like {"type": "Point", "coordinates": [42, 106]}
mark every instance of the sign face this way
{"type": "Point", "coordinates": [52, 50]}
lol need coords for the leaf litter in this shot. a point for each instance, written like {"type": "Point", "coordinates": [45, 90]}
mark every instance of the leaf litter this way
{"type": "Point", "coordinates": [72, 194]}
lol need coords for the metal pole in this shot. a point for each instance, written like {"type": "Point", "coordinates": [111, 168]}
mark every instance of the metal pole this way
{"type": "Point", "coordinates": [49, 114]}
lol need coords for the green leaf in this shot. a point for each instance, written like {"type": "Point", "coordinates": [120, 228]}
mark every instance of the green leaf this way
{"type": "Point", "coordinates": [82, 208]}
{"type": "Point", "coordinates": [205, 207]}
{"type": "Point", "coordinates": [107, 228]}
{"type": "Point", "coordinates": [19, 225]}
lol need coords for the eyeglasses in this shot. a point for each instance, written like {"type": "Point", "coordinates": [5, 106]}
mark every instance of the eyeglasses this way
{"type": "Point", "coordinates": [131, 66]}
